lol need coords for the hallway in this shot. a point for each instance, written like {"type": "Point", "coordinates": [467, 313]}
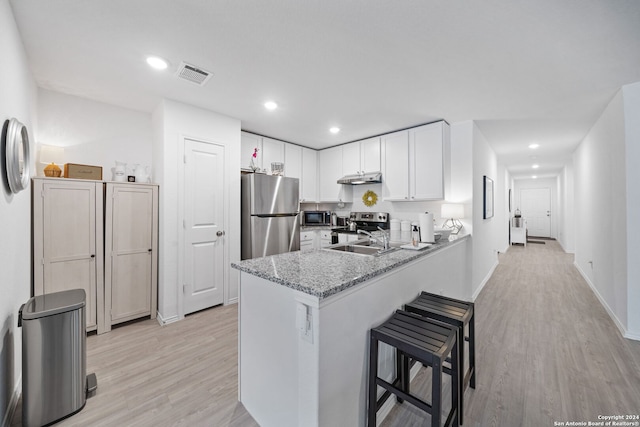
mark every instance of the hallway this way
{"type": "Point", "coordinates": [547, 351]}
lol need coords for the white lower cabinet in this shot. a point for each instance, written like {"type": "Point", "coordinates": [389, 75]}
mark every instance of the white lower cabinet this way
{"type": "Point", "coordinates": [325, 238]}
{"type": "Point", "coordinates": [131, 252]}
{"type": "Point", "coordinates": [307, 240]}
{"type": "Point", "coordinates": [67, 241]}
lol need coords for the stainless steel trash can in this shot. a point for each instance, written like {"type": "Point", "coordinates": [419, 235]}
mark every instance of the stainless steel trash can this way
{"type": "Point", "coordinates": [54, 381]}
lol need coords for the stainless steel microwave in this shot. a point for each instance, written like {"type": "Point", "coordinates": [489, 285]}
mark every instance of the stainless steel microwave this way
{"type": "Point", "coordinates": [316, 218]}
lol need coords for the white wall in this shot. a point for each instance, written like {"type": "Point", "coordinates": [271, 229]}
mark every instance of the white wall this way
{"type": "Point", "coordinates": [172, 122]}
{"type": "Point", "coordinates": [92, 132]}
{"type": "Point", "coordinates": [566, 224]}
{"type": "Point", "coordinates": [600, 210]}
{"type": "Point", "coordinates": [631, 95]}
{"type": "Point", "coordinates": [552, 185]}
{"type": "Point", "coordinates": [18, 99]}
{"type": "Point", "coordinates": [488, 234]}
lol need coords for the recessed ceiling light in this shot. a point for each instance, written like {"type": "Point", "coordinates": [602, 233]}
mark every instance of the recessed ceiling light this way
{"type": "Point", "coordinates": [534, 146]}
{"type": "Point", "coordinates": [270, 105]}
{"type": "Point", "coordinates": [534, 177]}
{"type": "Point", "coordinates": [157, 63]}
{"type": "Point", "coordinates": [535, 166]}
{"type": "Point", "coordinates": [334, 130]}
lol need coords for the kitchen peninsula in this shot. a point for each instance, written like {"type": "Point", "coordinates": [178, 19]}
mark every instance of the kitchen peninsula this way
{"type": "Point", "coordinates": [304, 318]}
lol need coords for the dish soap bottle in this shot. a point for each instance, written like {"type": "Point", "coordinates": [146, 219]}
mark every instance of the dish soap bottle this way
{"type": "Point", "coordinates": [415, 235]}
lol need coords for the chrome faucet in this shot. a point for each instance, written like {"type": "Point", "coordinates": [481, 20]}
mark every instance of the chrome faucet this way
{"type": "Point", "coordinates": [385, 238]}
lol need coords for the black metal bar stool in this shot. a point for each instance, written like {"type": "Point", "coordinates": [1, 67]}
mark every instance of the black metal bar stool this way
{"type": "Point", "coordinates": [459, 314]}
{"type": "Point", "coordinates": [427, 341]}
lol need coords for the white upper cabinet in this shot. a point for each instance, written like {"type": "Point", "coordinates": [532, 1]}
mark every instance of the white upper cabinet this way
{"type": "Point", "coordinates": [269, 151]}
{"type": "Point", "coordinates": [309, 178]}
{"type": "Point", "coordinates": [248, 143]}
{"type": "Point", "coordinates": [395, 166]}
{"type": "Point", "coordinates": [350, 159]}
{"type": "Point", "coordinates": [415, 163]}
{"type": "Point", "coordinates": [370, 155]}
{"type": "Point", "coordinates": [361, 157]}
{"type": "Point", "coordinates": [292, 161]}
{"type": "Point", "coordinates": [302, 163]}
{"type": "Point", "coordinates": [429, 159]}
{"type": "Point", "coordinates": [272, 152]}
{"type": "Point", "coordinates": [331, 169]}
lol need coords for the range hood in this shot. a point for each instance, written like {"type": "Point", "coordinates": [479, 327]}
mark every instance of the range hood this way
{"type": "Point", "coordinates": [365, 178]}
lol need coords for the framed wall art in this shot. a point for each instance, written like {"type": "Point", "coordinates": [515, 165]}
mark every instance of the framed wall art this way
{"type": "Point", "coordinates": [487, 186]}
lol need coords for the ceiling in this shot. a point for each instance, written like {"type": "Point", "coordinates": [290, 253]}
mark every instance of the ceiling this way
{"type": "Point", "coordinates": [526, 71]}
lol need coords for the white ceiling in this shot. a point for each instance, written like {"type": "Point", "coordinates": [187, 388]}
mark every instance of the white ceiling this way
{"type": "Point", "coordinates": [529, 70]}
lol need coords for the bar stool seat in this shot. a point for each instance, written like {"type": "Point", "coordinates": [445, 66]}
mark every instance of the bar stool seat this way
{"type": "Point", "coordinates": [427, 341]}
{"type": "Point", "coordinates": [459, 314]}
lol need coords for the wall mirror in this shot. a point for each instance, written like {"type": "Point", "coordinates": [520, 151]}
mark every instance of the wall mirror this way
{"type": "Point", "coordinates": [17, 155]}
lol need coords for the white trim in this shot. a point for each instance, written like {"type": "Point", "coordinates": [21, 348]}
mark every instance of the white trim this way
{"type": "Point", "coordinates": [484, 281]}
{"type": "Point", "coordinates": [13, 403]}
{"type": "Point", "coordinates": [162, 321]}
{"type": "Point", "coordinates": [612, 315]}
{"type": "Point", "coordinates": [632, 336]}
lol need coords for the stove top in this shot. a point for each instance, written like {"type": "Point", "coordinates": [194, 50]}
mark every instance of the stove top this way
{"type": "Point", "coordinates": [368, 221]}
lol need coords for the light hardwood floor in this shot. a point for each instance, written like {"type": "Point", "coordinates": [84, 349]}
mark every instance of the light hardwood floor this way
{"type": "Point", "coordinates": [547, 351]}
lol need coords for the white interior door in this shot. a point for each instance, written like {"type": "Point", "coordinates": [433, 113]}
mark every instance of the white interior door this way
{"type": "Point", "coordinates": [536, 209]}
{"type": "Point", "coordinates": [204, 180]}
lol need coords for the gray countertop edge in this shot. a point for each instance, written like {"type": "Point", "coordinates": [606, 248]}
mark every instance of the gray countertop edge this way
{"type": "Point", "coordinates": [407, 257]}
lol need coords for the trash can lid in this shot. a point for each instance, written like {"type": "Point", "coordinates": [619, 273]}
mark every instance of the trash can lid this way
{"type": "Point", "coordinates": [54, 303]}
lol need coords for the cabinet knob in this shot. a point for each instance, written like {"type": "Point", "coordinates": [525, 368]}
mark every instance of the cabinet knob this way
{"type": "Point", "coordinates": [93, 255]}
{"type": "Point", "coordinates": [150, 250]}
{"type": "Point", "coordinates": [220, 233]}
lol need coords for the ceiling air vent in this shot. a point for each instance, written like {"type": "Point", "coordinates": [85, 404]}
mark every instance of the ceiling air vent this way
{"type": "Point", "coordinates": [193, 74]}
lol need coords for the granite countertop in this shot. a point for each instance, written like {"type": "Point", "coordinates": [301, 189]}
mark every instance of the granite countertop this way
{"type": "Point", "coordinates": [323, 273]}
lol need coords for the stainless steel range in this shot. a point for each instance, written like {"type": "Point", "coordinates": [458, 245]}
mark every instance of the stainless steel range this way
{"type": "Point", "coordinates": [368, 221]}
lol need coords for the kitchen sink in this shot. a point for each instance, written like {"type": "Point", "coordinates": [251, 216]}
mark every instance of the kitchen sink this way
{"type": "Point", "coordinates": [361, 247]}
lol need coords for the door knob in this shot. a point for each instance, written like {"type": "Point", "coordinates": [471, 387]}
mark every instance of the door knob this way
{"type": "Point", "coordinates": [220, 233]}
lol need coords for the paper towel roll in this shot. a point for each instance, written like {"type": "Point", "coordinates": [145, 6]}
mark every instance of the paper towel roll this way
{"type": "Point", "coordinates": [426, 227]}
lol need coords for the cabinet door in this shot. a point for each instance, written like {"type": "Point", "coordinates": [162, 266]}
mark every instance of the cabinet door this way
{"type": "Point", "coordinates": [325, 238]}
{"type": "Point", "coordinates": [309, 180]}
{"type": "Point", "coordinates": [293, 161]}
{"type": "Point", "coordinates": [330, 171]}
{"type": "Point", "coordinates": [248, 143]}
{"type": "Point", "coordinates": [272, 151]}
{"type": "Point", "coordinates": [395, 166]}
{"type": "Point", "coordinates": [68, 242]}
{"type": "Point", "coordinates": [426, 162]}
{"type": "Point", "coordinates": [370, 155]}
{"type": "Point", "coordinates": [351, 159]}
{"type": "Point", "coordinates": [129, 234]}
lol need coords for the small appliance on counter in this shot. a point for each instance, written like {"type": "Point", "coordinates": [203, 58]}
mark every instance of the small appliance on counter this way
{"type": "Point", "coordinates": [311, 218]}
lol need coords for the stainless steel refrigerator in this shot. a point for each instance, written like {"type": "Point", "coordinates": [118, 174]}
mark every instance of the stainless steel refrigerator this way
{"type": "Point", "coordinates": [270, 223]}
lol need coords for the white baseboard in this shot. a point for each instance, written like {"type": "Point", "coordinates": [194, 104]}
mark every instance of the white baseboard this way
{"type": "Point", "coordinates": [13, 404]}
{"type": "Point", "coordinates": [484, 281]}
{"type": "Point", "coordinates": [162, 321]}
{"type": "Point", "coordinates": [616, 321]}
